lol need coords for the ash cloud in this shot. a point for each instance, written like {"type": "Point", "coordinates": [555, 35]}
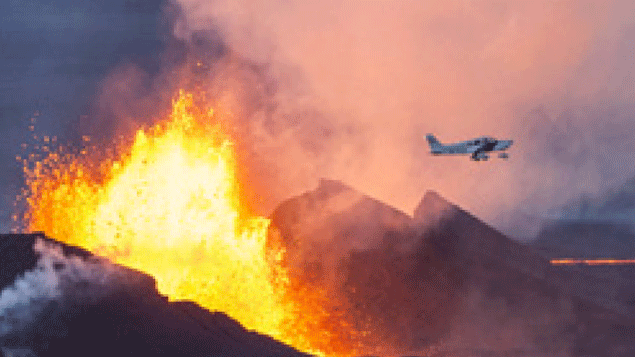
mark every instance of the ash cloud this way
{"type": "Point", "coordinates": [358, 84]}
{"type": "Point", "coordinates": [348, 89]}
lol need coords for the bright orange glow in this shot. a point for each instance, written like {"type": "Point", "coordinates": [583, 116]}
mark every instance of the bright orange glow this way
{"type": "Point", "coordinates": [170, 206]}
{"type": "Point", "coordinates": [569, 261]}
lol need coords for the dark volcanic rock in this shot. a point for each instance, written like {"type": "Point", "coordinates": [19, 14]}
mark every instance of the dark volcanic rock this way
{"type": "Point", "coordinates": [517, 289]}
{"type": "Point", "coordinates": [322, 227]}
{"type": "Point", "coordinates": [64, 302]}
{"type": "Point", "coordinates": [445, 278]}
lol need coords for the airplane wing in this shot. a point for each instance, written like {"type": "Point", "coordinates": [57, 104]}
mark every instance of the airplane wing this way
{"type": "Point", "coordinates": [475, 146]}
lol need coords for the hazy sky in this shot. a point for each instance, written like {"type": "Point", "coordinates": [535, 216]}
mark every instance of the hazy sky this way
{"type": "Point", "coordinates": [357, 86]}
{"type": "Point", "coordinates": [53, 56]}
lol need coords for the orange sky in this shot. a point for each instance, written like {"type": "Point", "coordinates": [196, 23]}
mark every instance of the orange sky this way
{"type": "Point", "coordinates": [384, 73]}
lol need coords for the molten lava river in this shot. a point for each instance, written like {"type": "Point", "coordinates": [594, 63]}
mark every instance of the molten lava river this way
{"type": "Point", "coordinates": [169, 205]}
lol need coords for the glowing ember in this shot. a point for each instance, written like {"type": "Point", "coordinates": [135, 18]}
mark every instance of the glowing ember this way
{"type": "Point", "coordinates": [592, 261]}
{"type": "Point", "coordinates": [171, 207]}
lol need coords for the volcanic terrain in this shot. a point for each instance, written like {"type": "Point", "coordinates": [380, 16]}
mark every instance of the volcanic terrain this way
{"type": "Point", "coordinates": [439, 283]}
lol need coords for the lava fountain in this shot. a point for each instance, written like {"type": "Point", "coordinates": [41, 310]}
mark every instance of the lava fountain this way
{"type": "Point", "coordinates": [170, 205]}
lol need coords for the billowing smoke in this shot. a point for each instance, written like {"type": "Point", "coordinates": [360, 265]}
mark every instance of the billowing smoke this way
{"type": "Point", "coordinates": [347, 89]}
{"type": "Point", "coordinates": [55, 282]}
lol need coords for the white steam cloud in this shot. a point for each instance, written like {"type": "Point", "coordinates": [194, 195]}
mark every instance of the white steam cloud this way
{"type": "Point", "coordinates": [56, 278]}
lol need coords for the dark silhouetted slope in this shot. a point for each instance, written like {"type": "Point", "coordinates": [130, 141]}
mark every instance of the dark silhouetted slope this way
{"type": "Point", "coordinates": [87, 307]}
{"type": "Point", "coordinates": [445, 278]}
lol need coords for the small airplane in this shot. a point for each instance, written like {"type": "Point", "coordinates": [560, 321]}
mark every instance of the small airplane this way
{"type": "Point", "coordinates": [478, 148]}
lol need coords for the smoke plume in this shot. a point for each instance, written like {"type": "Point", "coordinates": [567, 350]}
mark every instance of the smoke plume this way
{"type": "Point", "coordinates": [349, 88]}
{"type": "Point", "coordinates": [56, 281]}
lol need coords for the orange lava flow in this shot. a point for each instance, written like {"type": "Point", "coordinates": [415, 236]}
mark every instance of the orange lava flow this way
{"type": "Point", "coordinates": [592, 261]}
{"type": "Point", "coordinates": [170, 206]}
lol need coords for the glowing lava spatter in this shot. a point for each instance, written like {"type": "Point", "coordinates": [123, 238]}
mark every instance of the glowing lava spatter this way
{"type": "Point", "coordinates": [572, 261]}
{"type": "Point", "coordinates": [170, 206]}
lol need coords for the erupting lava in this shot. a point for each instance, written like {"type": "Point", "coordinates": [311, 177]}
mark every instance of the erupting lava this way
{"type": "Point", "coordinates": [170, 206]}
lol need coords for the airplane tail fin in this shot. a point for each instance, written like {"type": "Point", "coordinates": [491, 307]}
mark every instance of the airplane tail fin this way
{"type": "Point", "coordinates": [433, 142]}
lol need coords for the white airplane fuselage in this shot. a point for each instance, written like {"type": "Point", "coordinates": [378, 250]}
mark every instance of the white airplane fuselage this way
{"type": "Point", "coordinates": [477, 148]}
